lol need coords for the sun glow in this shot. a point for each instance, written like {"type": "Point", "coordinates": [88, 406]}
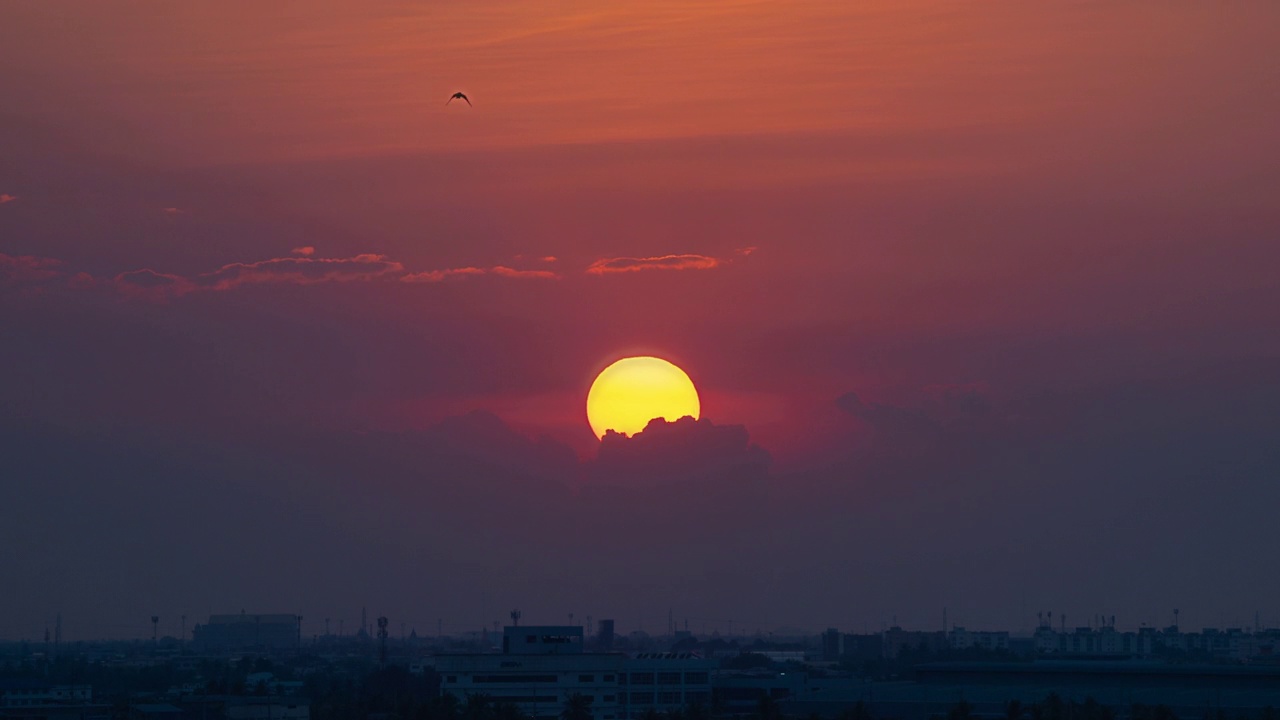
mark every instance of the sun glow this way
{"type": "Point", "coordinates": [629, 393]}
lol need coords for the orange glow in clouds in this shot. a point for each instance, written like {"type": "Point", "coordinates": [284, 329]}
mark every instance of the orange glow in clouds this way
{"type": "Point", "coordinates": [632, 391]}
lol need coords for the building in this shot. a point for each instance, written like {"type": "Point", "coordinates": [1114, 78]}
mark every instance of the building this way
{"type": "Point", "coordinates": [898, 641]}
{"type": "Point", "coordinates": [740, 693]}
{"type": "Point", "coordinates": [266, 708]}
{"type": "Point", "coordinates": [33, 700]}
{"type": "Point", "coordinates": [155, 711]}
{"type": "Point", "coordinates": [961, 639]}
{"type": "Point", "coordinates": [1105, 641]}
{"type": "Point", "coordinates": [21, 694]}
{"type": "Point", "coordinates": [862, 648]}
{"type": "Point", "coordinates": [604, 636]}
{"type": "Point", "coordinates": [230, 633]}
{"type": "Point", "coordinates": [541, 667]}
{"type": "Point", "coordinates": [831, 645]}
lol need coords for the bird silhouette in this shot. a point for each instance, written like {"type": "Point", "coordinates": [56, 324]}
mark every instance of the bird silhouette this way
{"type": "Point", "coordinates": [457, 96]}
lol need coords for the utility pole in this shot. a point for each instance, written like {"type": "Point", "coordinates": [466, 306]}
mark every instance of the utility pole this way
{"type": "Point", "coordinates": [382, 641]}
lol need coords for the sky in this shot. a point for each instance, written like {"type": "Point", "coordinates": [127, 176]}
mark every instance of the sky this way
{"type": "Point", "coordinates": [980, 302]}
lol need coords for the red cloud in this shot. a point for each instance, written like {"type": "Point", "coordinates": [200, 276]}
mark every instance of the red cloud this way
{"type": "Point", "coordinates": [28, 268]}
{"type": "Point", "coordinates": [499, 270]}
{"type": "Point", "coordinates": [513, 273]}
{"type": "Point", "coordinates": [300, 271]}
{"type": "Point", "coordinates": [432, 276]}
{"type": "Point", "coordinates": [151, 285]}
{"type": "Point", "coordinates": [7, 198]}
{"type": "Point", "coordinates": [664, 262]}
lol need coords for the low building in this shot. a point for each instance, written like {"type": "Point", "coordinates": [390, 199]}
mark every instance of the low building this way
{"type": "Point", "coordinates": [36, 694]}
{"type": "Point", "coordinates": [542, 667]}
{"type": "Point", "coordinates": [155, 711]}
{"type": "Point", "coordinates": [266, 708]}
{"type": "Point", "coordinates": [32, 700]}
{"type": "Point", "coordinates": [961, 639]}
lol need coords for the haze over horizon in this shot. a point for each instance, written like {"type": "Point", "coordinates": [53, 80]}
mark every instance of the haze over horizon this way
{"type": "Point", "coordinates": [980, 304]}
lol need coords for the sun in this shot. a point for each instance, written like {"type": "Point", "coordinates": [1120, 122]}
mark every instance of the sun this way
{"type": "Point", "coordinates": [629, 393]}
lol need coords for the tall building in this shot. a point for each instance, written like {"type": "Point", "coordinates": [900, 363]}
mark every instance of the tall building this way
{"type": "Point", "coordinates": [541, 667]}
{"type": "Point", "coordinates": [226, 633]}
{"type": "Point", "coordinates": [831, 649]}
{"type": "Point", "coordinates": [604, 636]}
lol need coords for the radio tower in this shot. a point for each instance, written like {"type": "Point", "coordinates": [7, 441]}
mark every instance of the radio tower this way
{"type": "Point", "coordinates": [515, 618]}
{"type": "Point", "coordinates": [382, 641]}
{"type": "Point", "coordinates": [155, 629]}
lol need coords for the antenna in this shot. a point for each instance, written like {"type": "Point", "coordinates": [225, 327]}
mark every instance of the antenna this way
{"type": "Point", "coordinates": [515, 617]}
{"type": "Point", "coordinates": [1175, 619]}
{"type": "Point", "coordinates": [155, 629]}
{"type": "Point", "coordinates": [382, 641]}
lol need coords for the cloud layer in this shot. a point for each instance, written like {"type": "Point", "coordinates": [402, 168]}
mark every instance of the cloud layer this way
{"type": "Point", "coordinates": [302, 267]}
{"type": "Point", "coordinates": [28, 268]}
{"type": "Point", "coordinates": [604, 266]}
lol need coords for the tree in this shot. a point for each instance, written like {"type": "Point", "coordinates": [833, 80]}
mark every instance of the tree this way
{"type": "Point", "coordinates": [508, 711]}
{"type": "Point", "coordinates": [767, 709]}
{"type": "Point", "coordinates": [478, 707]}
{"type": "Point", "coordinates": [859, 711]}
{"type": "Point", "coordinates": [577, 707]}
{"type": "Point", "coordinates": [962, 710]}
{"type": "Point", "coordinates": [698, 710]}
{"type": "Point", "coordinates": [1053, 707]}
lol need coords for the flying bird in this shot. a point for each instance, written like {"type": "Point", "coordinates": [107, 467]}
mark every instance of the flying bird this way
{"type": "Point", "coordinates": [459, 96]}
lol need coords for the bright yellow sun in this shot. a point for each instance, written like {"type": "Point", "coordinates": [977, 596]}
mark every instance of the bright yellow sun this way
{"type": "Point", "coordinates": [631, 392]}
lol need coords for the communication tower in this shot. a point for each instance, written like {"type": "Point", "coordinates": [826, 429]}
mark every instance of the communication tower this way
{"type": "Point", "coordinates": [382, 641]}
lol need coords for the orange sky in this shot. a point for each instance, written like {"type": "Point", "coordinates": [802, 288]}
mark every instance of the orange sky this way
{"type": "Point", "coordinates": [244, 82]}
{"type": "Point", "coordinates": [1004, 256]}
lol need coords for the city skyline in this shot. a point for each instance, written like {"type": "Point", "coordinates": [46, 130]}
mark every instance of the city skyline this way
{"type": "Point", "coordinates": [342, 626]}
